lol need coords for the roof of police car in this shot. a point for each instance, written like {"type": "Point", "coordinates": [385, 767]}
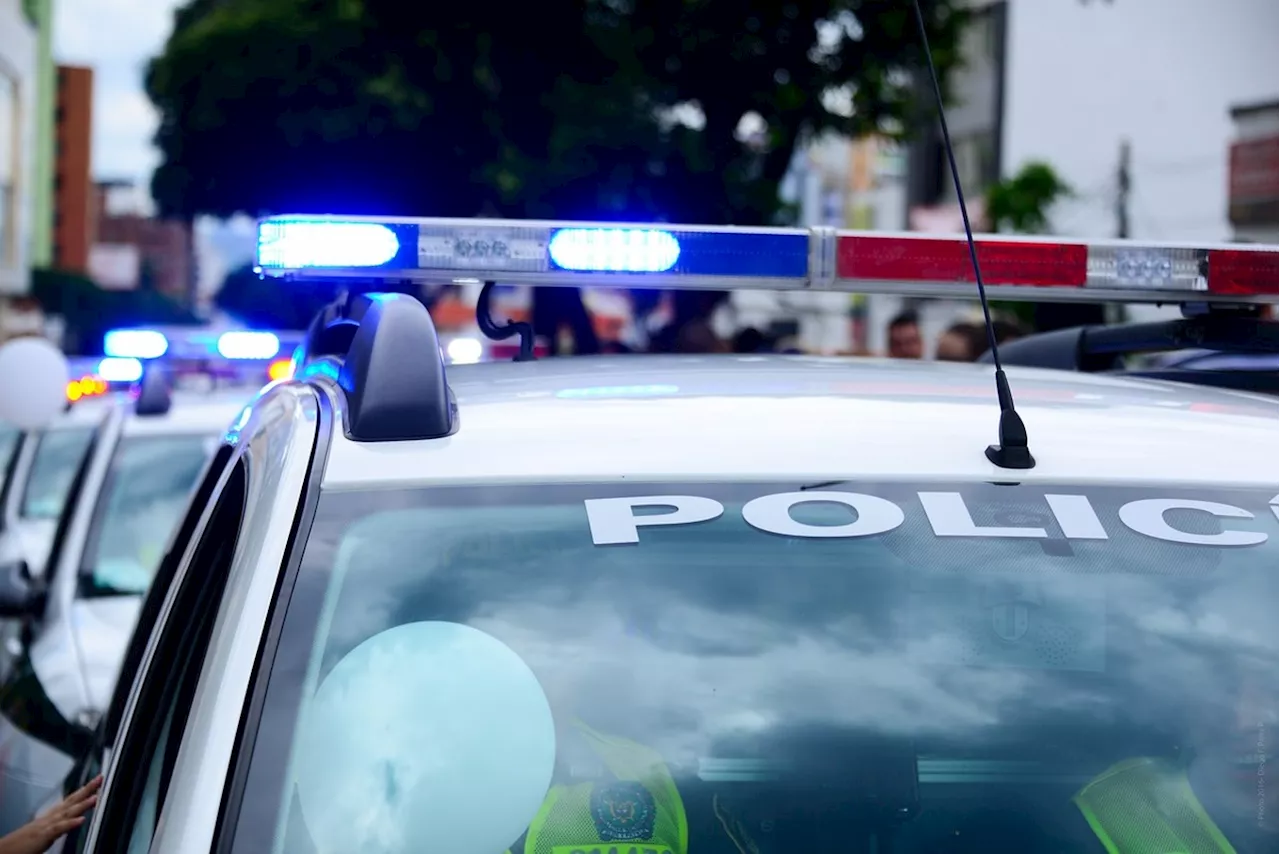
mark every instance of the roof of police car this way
{"type": "Point", "coordinates": [743, 417]}
{"type": "Point", "coordinates": [192, 412]}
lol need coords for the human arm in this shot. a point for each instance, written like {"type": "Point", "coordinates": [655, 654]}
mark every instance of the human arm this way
{"type": "Point", "coordinates": [36, 836]}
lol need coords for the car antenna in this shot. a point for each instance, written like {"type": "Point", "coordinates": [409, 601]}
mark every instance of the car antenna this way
{"type": "Point", "coordinates": [1012, 452]}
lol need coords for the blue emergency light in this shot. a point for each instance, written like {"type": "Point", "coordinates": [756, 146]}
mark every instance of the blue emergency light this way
{"type": "Point", "coordinates": [135, 344]}
{"type": "Point", "coordinates": [530, 252]}
{"type": "Point", "coordinates": [120, 369]}
{"type": "Point", "coordinates": [248, 345]}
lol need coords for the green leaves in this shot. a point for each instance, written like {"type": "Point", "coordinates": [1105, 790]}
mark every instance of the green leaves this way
{"type": "Point", "coordinates": [569, 108]}
{"type": "Point", "coordinates": [1021, 203]}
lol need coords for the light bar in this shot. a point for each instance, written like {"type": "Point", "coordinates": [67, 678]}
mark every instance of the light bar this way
{"type": "Point", "coordinates": [135, 344]}
{"type": "Point", "coordinates": [617, 255]}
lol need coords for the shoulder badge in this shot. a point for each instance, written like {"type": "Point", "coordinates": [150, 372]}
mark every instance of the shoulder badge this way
{"type": "Point", "coordinates": [623, 811]}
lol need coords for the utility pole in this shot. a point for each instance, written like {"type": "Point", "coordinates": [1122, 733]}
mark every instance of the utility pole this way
{"type": "Point", "coordinates": [1123, 186]}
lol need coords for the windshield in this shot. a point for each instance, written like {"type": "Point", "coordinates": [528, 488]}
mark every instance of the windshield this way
{"type": "Point", "coordinates": [57, 459]}
{"type": "Point", "coordinates": [143, 499]}
{"type": "Point", "coordinates": [772, 668]}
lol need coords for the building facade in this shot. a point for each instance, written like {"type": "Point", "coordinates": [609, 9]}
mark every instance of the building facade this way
{"type": "Point", "coordinates": [73, 192]}
{"type": "Point", "coordinates": [41, 14]}
{"type": "Point", "coordinates": [17, 144]}
{"type": "Point", "coordinates": [1253, 195]}
{"type": "Point", "coordinates": [975, 119]}
{"type": "Point", "coordinates": [131, 249]}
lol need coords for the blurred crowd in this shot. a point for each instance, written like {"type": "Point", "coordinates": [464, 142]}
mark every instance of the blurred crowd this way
{"type": "Point", "coordinates": [687, 327]}
{"type": "Point", "coordinates": [964, 341]}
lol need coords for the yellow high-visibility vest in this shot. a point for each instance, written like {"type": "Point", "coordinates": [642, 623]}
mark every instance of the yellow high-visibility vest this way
{"type": "Point", "coordinates": [1147, 806]}
{"type": "Point", "coordinates": [639, 812]}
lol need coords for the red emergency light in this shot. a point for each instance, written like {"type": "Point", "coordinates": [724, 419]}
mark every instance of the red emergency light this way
{"type": "Point", "coordinates": [1038, 269]}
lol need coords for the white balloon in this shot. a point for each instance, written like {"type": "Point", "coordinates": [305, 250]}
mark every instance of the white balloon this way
{"type": "Point", "coordinates": [33, 382]}
{"type": "Point", "coordinates": [429, 736]}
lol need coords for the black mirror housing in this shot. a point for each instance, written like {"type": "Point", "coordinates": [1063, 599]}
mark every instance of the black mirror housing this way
{"type": "Point", "coordinates": [19, 598]}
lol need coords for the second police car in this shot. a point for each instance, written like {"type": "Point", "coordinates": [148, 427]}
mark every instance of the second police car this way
{"type": "Point", "coordinates": [114, 504]}
{"type": "Point", "coordinates": [696, 604]}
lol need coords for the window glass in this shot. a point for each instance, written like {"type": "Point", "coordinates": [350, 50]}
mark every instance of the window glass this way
{"type": "Point", "coordinates": [57, 459]}
{"type": "Point", "coordinates": [146, 492]}
{"type": "Point", "coordinates": [960, 668]}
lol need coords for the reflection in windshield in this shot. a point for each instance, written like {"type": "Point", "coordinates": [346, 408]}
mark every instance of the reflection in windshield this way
{"type": "Point", "coordinates": [57, 459]}
{"type": "Point", "coordinates": [718, 688]}
{"type": "Point", "coordinates": [150, 481]}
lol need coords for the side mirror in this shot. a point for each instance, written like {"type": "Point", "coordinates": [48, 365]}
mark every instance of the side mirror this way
{"type": "Point", "coordinates": [18, 596]}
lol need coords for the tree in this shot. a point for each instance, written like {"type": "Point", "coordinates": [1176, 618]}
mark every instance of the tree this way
{"type": "Point", "coordinates": [270, 304]}
{"type": "Point", "coordinates": [570, 108]}
{"type": "Point", "coordinates": [1021, 204]}
{"type": "Point", "coordinates": [90, 311]}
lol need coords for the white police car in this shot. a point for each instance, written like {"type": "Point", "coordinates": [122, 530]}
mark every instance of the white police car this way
{"type": "Point", "coordinates": [673, 604]}
{"type": "Point", "coordinates": [124, 496]}
{"type": "Point", "coordinates": [39, 476]}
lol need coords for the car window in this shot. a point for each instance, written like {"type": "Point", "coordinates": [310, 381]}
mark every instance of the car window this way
{"type": "Point", "coordinates": [146, 491]}
{"type": "Point", "coordinates": [771, 668]}
{"type": "Point", "coordinates": [53, 470]}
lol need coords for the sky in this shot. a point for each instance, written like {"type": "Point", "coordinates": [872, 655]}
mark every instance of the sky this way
{"type": "Point", "coordinates": [116, 38]}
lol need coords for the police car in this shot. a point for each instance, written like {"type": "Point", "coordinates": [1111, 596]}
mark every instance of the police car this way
{"type": "Point", "coordinates": [738, 603]}
{"type": "Point", "coordinates": [119, 497]}
{"type": "Point", "coordinates": [38, 478]}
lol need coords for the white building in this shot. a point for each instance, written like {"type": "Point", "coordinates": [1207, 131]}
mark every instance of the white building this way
{"type": "Point", "coordinates": [17, 143]}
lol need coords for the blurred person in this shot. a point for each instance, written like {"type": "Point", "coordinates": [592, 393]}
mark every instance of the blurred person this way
{"type": "Point", "coordinates": [36, 836]}
{"type": "Point", "coordinates": [962, 342]}
{"type": "Point", "coordinates": [905, 341]}
{"type": "Point", "coordinates": [751, 340]}
{"type": "Point", "coordinates": [1006, 329]}
{"type": "Point", "coordinates": [556, 309]}
{"type": "Point", "coordinates": [697, 336]}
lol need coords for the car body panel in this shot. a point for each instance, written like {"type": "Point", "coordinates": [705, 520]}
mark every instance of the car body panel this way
{"type": "Point", "coordinates": [711, 419]}
{"type": "Point", "coordinates": [759, 417]}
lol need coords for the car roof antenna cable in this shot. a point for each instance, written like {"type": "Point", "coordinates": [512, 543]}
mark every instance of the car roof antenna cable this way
{"type": "Point", "coordinates": [1012, 452]}
{"type": "Point", "coordinates": [494, 332]}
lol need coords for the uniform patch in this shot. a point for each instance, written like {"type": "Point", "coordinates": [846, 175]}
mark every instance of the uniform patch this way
{"type": "Point", "coordinates": [623, 812]}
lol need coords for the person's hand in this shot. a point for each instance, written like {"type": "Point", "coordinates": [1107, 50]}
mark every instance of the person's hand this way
{"type": "Point", "coordinates": [36, 836]}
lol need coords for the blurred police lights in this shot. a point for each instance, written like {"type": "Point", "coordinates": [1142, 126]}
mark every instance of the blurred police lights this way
{"type": "Point", "coordinates": [135, 344]}
{"type": "Point", "coordinates": [500, 249]}
{"type": "Point", "coordinates": [120, 369]}
{"type": "Point", "coordinates": [248, 345]}
{"type": "Point", "coordinates": [659, 255]}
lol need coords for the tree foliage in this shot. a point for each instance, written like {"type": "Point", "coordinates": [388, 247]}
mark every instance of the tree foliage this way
{"type": "Point", "coordinates": [91, 311]}
{"type": "Point", "coordinates": [572, 108]}
{"type": "Point", "coordinates": [1021, 203]}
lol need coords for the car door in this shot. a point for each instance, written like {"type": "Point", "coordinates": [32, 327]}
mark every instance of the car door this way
{"type": "Point", "coordinates": [166, 767]}
{"type": "Point", "coordinates": [203, 500]}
